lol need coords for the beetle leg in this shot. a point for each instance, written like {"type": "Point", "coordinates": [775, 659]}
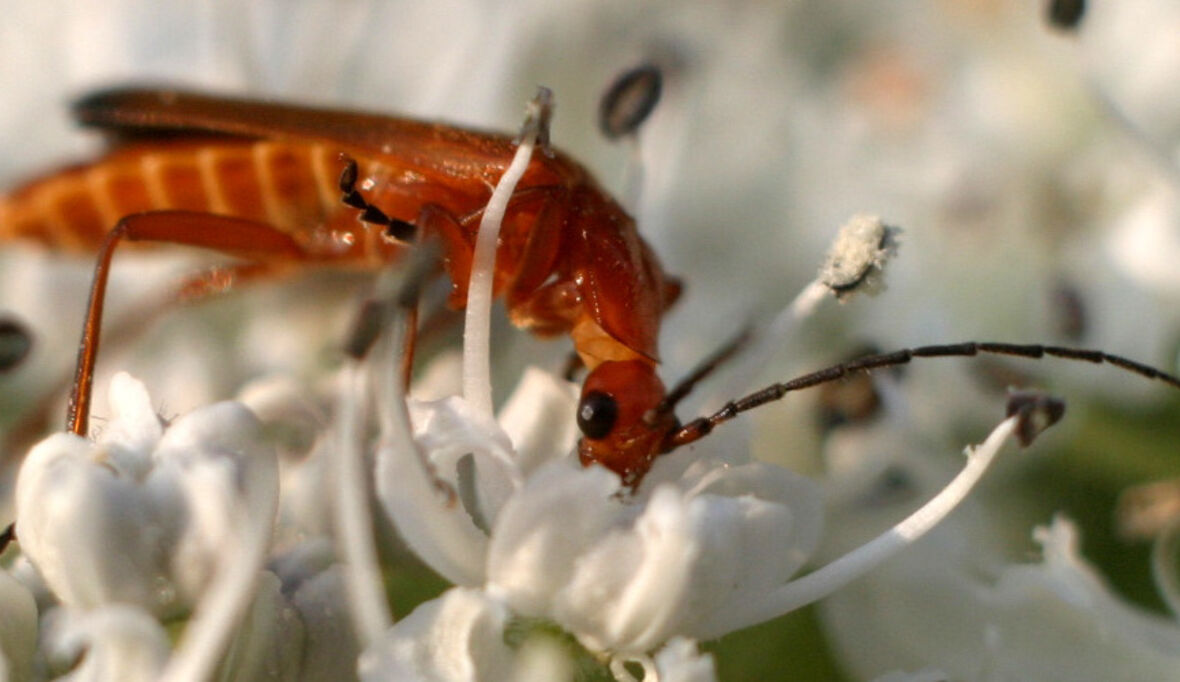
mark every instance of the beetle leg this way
{"type": "Point", "coordinates": [221, 278]}
{"type": "Point", "coordinates": [535, 266]}
{"type": "Point", "coordinates": [436, 222]}
{"type": "Point", "coordinates": [234, 236]}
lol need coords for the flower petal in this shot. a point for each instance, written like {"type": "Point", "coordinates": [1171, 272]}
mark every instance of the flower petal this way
{"type": "Point", "coordinates": [119, 642]}
{"type": "Point", "coordinates": [625, 577]}
{"type": "Point", "coordinates": [544, 530]}
{"type": "Point", "coordinates": [538, 418]}
{"type": "Point", "coordinates": [459, 636]}
{"type": "Point", "coordinates": [96, 538]}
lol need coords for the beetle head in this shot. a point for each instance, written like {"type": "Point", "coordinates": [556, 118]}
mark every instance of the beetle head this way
{"type": "Point", "coordinates": [622, 429]}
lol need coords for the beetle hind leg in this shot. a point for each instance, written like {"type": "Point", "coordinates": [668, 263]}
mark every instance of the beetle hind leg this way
{"type": "Point", "coordinates": [253, 240]}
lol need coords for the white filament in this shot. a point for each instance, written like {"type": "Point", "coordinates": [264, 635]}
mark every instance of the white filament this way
{"type": "Point", "coordinates": [822, 582]}
{"type": "Point", "coordinates": [477, 370]}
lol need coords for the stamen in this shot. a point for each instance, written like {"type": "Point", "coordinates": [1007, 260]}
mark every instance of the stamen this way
{"type": "Point", "coordinates": [397, 291]}
{"type": "Point", "coordinates": [824, 581]}
{"type": "Point", "coordinates": [1036, 412]}
{"type": "Point", "coordinates": [444, 535]}
{"type": "Point", "coordinates": [477, 383]}
{"type": "Point", "coordinates": [866, 238]}
{"type": "Point", "coordinates": [766, 341]}
{"type": "Point", "coordinates": [625, 106]}
{"type": "Point", "coordinates": [858, 255]}
{"type": "Point", "coordinates": [629, 101]}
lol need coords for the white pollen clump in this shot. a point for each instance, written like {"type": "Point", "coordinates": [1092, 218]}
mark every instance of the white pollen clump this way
{"type": "Point", "coordinates": [858, 256]}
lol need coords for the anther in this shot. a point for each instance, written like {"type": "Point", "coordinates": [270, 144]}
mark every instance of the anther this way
{"type": "Point", "coordinates": [1035, 412]}
{"type": "Point", "coordinates": [629, 101]}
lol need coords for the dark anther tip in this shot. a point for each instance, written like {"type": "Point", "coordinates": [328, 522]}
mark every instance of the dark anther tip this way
{"type": "Point", "coordinates": [629, 100]}
{"type": "Point", "coordinates": [1035, 412]}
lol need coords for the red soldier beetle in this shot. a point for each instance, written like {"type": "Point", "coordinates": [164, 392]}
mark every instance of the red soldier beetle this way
{"type": "Point", "coordinates": [266, 180]}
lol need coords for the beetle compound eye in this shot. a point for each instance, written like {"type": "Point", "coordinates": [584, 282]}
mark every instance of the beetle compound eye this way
{"type": "Point", "coordinates": [597, 414]}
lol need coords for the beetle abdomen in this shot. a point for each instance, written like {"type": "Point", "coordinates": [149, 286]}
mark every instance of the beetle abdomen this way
{"type": "Point", "coordinates": [289, 185]}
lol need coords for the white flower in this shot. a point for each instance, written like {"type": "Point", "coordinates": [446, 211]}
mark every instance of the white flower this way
{"type": "Point", "coordinates": [459, 636]}
{"type": "Point", "coordinates": [160, 520]}
{"type": "Point", "coordinates": [707, 545]}
{"type": "Point", "coordinates": [114, 642]}
{"type": "Point", "coordinates": [627, 576]}
{"type": "Point", "coordinates": [142, 516]}
{"type": "Point", "coordinates": [960, 121]}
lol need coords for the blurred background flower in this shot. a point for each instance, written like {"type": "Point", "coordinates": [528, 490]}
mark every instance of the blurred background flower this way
{"type": "Point", "coordinates": [1033, 170]}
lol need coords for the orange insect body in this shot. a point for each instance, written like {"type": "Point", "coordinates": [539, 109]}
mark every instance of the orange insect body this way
{"type": "Point", "coordinates": [569, 260]}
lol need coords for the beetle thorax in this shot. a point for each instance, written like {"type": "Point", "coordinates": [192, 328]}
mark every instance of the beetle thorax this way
{"type": "Point", "coordinates": [595, 346]}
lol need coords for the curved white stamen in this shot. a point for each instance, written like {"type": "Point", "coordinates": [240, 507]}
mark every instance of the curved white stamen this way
{"type": "Point", "coordinates": [634, 175]}
{"type": "Point", "coordinates": [824, 581]}
{"type": "Point", "coordinates": [220, 611]}
{"type": "Point", "coordinates": [354, 526]}
{"type": "Point", "coordinates": [445, 538]}
{"type": "Point", "coordinates": [854, 264]}
{"type": "Point", "coordinates": [477, 383]}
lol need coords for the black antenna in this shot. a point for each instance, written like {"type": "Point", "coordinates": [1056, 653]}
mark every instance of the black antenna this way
{"type": "Point", "coordinates": [681, 390]}
{"type": "Point", "coordinates": [701, 427]}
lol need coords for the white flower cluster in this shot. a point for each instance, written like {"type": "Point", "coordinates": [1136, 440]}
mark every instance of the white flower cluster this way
{"type": "Point", "coordinates": [159, 551]}
{"type": "Point", "coordinates": [156, 521]}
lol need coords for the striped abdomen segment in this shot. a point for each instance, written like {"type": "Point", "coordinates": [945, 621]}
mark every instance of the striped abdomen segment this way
{"type": "Point", "coordinates": [292, 186]}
